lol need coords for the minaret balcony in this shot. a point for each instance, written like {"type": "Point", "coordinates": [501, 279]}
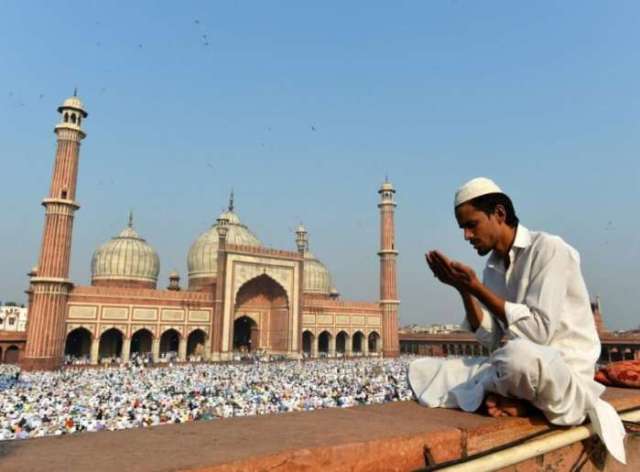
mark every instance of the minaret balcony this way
{"type": "Point", "coordinates": [60, 202]}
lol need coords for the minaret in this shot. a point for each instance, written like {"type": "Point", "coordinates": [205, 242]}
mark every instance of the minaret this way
{"type": "Point", "coordinates": [51, 285]}
{"type": "Point", "coordinates": [597, 317]}
{"type": "Point", "coordinates": [388, 280]}
{"type": "Point", "coordinates": [302, 240]}
{"type": "Point", "coordinates": [218, 309]}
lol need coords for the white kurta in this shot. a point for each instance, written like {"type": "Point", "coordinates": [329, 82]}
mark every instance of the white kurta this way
{"type": "Point", "coordinates": [552, 343]}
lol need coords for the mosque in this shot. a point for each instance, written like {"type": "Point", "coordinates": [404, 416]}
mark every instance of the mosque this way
{"type": "Point", "coordinates": [240, 296]}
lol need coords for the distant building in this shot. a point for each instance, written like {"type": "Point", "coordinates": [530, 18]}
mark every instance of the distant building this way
{"type": "Point", "coordinates": [13, 318]}
{"type": "Point", "coordinates": [13, 332]}
{"type": "Point", "coordinates": [432, 329]}
{"type": "Point", "coordinates": [416, 340]}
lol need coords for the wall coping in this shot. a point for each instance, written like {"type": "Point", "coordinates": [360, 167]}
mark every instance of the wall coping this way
{"type": "Point", "coordinates": [396, 436]}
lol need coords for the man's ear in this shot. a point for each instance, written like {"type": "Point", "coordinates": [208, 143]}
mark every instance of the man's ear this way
{"type": "Point", "coordinates": [500, 213]}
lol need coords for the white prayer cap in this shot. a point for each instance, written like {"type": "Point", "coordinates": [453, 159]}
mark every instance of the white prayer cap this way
{"type": "Point", "coordinates": [475, 188]}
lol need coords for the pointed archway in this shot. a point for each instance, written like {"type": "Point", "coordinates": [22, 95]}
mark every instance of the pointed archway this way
{"type": "Point", "coordinates": [245, 335]}
{"type": "Point", "coordinates": [324, 342]}
{"type": "Point", "coordinates": [342, 340]}
{"type": "Point", "coordinates": [374, 342]}
{"type": "Point", "coordinates": [78, 344]}
{"type": "Point", "coordinates": [169, 343]}
{"type": "Point", "coordinates": [267, 302]}
{"type": "Point", "coordinates": [141, 343]}
{"type": "Point", "coordinates": [357, 342]}
{"type": "Point", "coordinates": [12, 355]}
{"type": "Point", "coordinates": [195, 344]}
{"type": "Point", "coordinates": [307, 343]}
{"type": "Point", "coordinates": [110, 345]}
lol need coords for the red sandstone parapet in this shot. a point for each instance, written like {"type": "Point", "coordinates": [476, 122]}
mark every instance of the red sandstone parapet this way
{"type": "Point", "coordinates": [147, 293]}
{"type": "Point", "coordinates": [262, 251]}
{"type": "Point", "coordinates": [393, 437]}
{"type": "Point", "coordinates": [333, 304]}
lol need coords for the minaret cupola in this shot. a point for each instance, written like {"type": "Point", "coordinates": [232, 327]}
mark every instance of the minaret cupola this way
{"type": "Point", "coordinates": [72, 113]}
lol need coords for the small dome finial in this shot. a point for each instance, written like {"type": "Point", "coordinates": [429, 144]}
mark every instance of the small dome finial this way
{"type": "Point", "coordinates": [231, 201]}
{"type": "Point", "coordinates": [302, 239]}
{"type": "Point", "coordinates": [75, 91]}
{"type": "Point", "coordinates": [130, 218]}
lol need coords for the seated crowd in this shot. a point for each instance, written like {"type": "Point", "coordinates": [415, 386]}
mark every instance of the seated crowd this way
{"type": "Point", "coordinates": [135, 395]}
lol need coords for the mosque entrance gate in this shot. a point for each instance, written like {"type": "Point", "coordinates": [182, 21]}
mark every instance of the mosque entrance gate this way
{"type": "Point", "coordinates": [266, 287]}
{"type": "Point", "coordinates": [246, 334]}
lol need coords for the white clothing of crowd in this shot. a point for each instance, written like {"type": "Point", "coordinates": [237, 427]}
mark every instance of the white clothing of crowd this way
{"type": "Point", "coordinates": [36, 404]}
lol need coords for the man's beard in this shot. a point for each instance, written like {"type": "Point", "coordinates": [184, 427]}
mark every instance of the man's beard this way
{"type": "Point", "coordinates": [483, 251]}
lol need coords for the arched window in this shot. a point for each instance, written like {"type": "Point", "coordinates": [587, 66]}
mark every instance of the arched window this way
{"type": "Point", "coordinates": [12, 355]}
{"type": "Point", "coordinates": [73, 118]}
{"type": "Point", "coordinates": [307, 342]}
{"type": "Point", "coordinates": [196, 344]}
{"type": "Point", "coordinates": [77, 347]}
{"type": "Point", "coordinates": [66, 117]}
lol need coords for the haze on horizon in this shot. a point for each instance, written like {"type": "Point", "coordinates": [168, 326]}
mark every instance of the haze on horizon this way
{"type": "Point", "coordinates": [302, 109]}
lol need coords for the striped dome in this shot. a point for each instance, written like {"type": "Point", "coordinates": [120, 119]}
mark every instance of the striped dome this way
{"type": "Point", "coordinates": [202, 260]}
{"type": "Point", "coordinates": [126, 257]}
{"type": "Point", "coordinates": [317, 278]}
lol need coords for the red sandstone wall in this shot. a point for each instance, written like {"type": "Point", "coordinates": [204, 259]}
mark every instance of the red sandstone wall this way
{"type": "Point", "coordinates": [267, 298]}
{"type": "Point", "coordinates": [123, 284]}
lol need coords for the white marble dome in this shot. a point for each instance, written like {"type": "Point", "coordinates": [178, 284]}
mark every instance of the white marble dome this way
{"type": "Point", "coordinates": [317, 278]}
{"type": "Point", "coordinates": [74, 103]}
{"type": "Point", "coordinates": [202, 260]}
{"type": "Point", "coordinates": [126, 257]}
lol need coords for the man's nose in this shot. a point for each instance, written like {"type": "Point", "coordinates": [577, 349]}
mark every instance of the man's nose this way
{"type": "Point", "coordinates": [467, 234]}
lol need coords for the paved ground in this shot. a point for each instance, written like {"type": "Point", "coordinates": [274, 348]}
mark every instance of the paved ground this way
{"type": "Point", "coordinates": [349, 436]}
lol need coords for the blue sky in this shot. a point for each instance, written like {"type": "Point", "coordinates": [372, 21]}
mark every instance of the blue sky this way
{"type": "Point", "coordinates": [189, 100]}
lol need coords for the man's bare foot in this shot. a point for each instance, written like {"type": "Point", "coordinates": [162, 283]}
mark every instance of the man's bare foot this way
{"type": "Point", "coordinates": [497, 405]}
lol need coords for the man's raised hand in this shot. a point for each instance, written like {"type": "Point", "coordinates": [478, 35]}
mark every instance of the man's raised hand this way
{"type": "Point", "coordinates": [441, 268]}
{"type": "Point", "coordinates": [450, 272]}
{"type": "Point", "coordinates": [464, 275]}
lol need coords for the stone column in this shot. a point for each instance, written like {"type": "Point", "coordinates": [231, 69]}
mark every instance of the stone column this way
{"type": "Point", "coordinates": [155, 350]}
{"type": "Point", "coordinates": [207, 349]}
{"type": "Point", "coordinates": [332, 346]}
{"type": "Point", "coordinates": [314, 347]}
{"type": "Point", "coordinates": [95, 349]}
{"type": "Point", "coordinates": [182, 349]}
{"type": "Point", "coordinates": [126, 349]}
{"type": "Point", "coordinates": [365, 346]}
{"type": "Point", "coordinates": [348, 348]}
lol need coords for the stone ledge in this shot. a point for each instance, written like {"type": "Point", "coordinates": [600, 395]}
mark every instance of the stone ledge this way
{"type": "Point", "coordinates": [391, 437]}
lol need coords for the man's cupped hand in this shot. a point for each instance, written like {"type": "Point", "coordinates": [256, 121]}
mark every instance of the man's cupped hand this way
{"type": "Point", "coordinates": [450, 272]}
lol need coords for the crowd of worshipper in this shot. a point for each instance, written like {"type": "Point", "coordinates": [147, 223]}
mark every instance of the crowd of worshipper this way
{"type": "Point", "coordinates": [168, 357]}
{"type": "Point", "coordinates": [76, 399]}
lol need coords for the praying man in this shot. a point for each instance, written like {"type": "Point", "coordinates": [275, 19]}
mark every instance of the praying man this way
{"type": "Point", "coordinates": [533, 297]}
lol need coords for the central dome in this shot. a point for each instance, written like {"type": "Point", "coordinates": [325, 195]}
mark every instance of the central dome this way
{"type": "Point", "coordinates": [125, 259]}
{"type": "Point", "coordinates": [317, 278]}
{"type": "Point", "coordinates": [202, 260]}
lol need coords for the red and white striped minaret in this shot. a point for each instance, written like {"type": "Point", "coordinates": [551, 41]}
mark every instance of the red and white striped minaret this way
{"type": "Point", "coordinates": [388, 279]}
{"type": "Point", "coordinates": [51, 285]}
